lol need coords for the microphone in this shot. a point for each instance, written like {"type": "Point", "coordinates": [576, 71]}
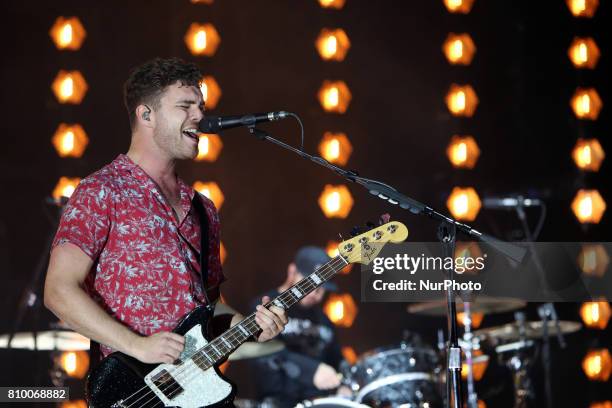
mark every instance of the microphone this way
{"type": "Point", "coordinates": [214, 124]}
{"type": "Point", "coordinates": [510, 202]}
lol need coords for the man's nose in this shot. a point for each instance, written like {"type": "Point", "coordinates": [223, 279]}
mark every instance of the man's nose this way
{"type": "Point", "coordinates": [197, 115]}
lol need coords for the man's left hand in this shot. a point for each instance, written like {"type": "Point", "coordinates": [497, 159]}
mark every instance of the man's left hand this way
{"type": "Point", "coordinates": [272, 321]}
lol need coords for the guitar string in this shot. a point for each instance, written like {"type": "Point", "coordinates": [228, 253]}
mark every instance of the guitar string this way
{"type": "Point", "coordinates": [195, 372]}
{"type": "Point", "coordinates": [252, 326]}
{"type": "Point", "coordinates": [339, 260]}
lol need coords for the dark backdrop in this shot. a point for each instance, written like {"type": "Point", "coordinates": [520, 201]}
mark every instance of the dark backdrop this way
{"type": "Point", "coordinates": [397, 122]}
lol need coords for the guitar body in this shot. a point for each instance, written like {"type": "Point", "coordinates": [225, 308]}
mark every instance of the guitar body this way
{"type": "Point", "coordinates": [122, 381]}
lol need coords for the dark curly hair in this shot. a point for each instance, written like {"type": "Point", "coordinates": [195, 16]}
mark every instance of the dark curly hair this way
{"type": "Point", "coordinates": [148, 81]}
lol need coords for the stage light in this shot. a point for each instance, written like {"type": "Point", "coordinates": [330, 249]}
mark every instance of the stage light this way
{"type": "Point", "coordinates": [332, 252]}
{"type": "Point", "coordinates": [459, 49]}
{"type": "Point", "coordinates": [459, 6]}
{"type": "Point", "coordinates": [588, 206]}
{"type": "Point", "coordinates": [463, 152]}
{"type": "Point", "coordinates": [333, 44]}
{"type": "Point", "coordinates": [209, 147]}
{"type": "Point", "coordinates": [461, 100]}
{"type": "Point", "coordinates": [597, 365]}
{"type": "Point", "coordinates": [74, 404]}
{"type": "Point", "coordinates": [334, 96]}
{"type": "Point", "coordinates": [586, 103]}
{"type": "Point", "coordinates": [464, 203]}
{"type": "Point", "coordinates": [349, 354]}
{"type": "Point", "coordinates": [593, 260]}
{"type": "Point", "coordinates": [202, 1]}
{"type": "Point", "coordinates": [335, 4]}
{"type": "Point", "coordinates": [335, 148]}
{"type": "Point", "coordinates": [69, 87]}
{"type": "Point", "coordinates": [582, 8]}
{"type": "Point", "coordinates": [67, 33]}
{"type": "Point", "coordinates": [222, 253]}
{"type": "Point", "coordinates": [65, 187]}
{"type": "Point", "coordinates": [336, 201]}
{"type": "Point", "coordinates": [202, 39]}
{"type": "Point", "coordinates": [584, 53]}
{"type": "Point", "coordinates": [74, 363]}
{"type": "Point", "coordinates": [340, 309]}
{"type": "Point", "coordinates": [476, 319]}
{"type": "Point", "coordinates": [468, 249]}
{"type": "Point", "coordinates": [211, 92]}
{"type": "Point", "coordinates": [70, 140]}
{"type": "Point", "coordinates": [211, 191]}
{"type": "Point", "coordinates": [601, 404]}
{"type": "Point", "coordinates": [479, 365]}
{"type": "Point", "coordinates": [588, 154]}
{"type": "Point", "coordinates": [595, 315]}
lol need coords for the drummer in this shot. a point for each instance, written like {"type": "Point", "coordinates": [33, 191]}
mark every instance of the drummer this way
{"type": "Point", "coordinates": [308, 365]}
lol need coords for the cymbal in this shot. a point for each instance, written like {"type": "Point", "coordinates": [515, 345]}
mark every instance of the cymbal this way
{"type": "Point", "coordinates": [253, 349]}
{"type": "Point", "coordinates": [482, 304]}
{"type": "Point", "coordinates": [510, 331]}
{"type": "Point", "coordinates": [47, 340]}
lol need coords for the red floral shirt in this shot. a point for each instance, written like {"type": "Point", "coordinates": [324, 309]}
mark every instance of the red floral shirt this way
{"type": "Point", "coordinates": [146, 270]}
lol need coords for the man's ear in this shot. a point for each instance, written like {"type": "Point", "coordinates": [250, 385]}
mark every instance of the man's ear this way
{"type": "Point", "coordinates": [145, 116]}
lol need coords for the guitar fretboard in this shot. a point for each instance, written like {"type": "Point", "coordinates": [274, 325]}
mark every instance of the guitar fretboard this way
{"type": "Point", "coordinates": [232, 338]}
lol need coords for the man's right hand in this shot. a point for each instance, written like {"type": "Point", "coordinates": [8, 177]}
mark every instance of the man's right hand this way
{"type": "Point", "coordinates": [162, 347]}
{"type": "Point", "coordinates": [326, 378]}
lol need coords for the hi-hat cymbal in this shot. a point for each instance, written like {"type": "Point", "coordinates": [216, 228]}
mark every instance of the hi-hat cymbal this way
{"type": "Point", "coordinates": [252, 350]}
{"type": "Point", "coordinates": [47, 340]}
{"type": "Point", "coordinates": [482, 304]}
{"type": "Point", "coordinates": [533, 330]}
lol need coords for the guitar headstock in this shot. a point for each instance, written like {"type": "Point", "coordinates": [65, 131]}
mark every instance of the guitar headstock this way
{"type": "Point", "coordinates": [364, 247]}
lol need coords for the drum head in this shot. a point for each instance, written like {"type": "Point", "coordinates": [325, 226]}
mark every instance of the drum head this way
{"type": "Point", "coordinates": [331, 402]}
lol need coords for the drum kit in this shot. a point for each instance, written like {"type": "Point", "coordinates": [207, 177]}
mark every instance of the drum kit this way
{"type": "Point", "coordinates": [411, 374]}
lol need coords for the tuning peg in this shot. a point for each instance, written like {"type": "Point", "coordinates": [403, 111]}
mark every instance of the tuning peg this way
{"type": "Point", "coordinates": [385, 218]}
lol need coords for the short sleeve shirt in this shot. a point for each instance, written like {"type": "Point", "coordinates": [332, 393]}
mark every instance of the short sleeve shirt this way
{"type": "Point", "coordinates": [146, 270]}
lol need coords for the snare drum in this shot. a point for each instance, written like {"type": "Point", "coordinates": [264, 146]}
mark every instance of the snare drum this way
{"type": "Point", "coordinates": [397, 376]}
{"type": "Point", "coordinates": [330, 402]}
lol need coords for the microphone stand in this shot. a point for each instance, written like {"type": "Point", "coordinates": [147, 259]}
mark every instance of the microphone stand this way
{"type": "Point", "coordinates": [447, 232]}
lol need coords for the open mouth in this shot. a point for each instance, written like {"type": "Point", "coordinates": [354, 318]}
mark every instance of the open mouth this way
{"type": "Point", "coordinates": [192, 134]}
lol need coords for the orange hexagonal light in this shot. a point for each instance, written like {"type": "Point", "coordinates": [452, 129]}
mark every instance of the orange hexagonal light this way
{"type": "Point", "coordinates": [459, 6]}
{"type": "Point", "coordinates": [69, 87]}
{"type": "Point", "coordinates": [595, 315]}
{"type": "Point", "coordinates": [588, 206]}
{"type": "Point", "coordinates": [476, 319]}
{"type": "Point", "coordinates": [479, 364]}
{"type": "Point", "coordinates": [202, 1]}
{"type": "Point", "coordinates": [463, 152]}
{"type": "Point", "coordinates": [74, 363]}
{"type": "Point", "coordinates": [65, 187]}
{"type": "Point", "coordinates": [459, 49]}
{"type": "Point", "coordinates": [335, 4]}
{"type": "Point", "coordinates": [597, 365]}
{"type": "Point", "coordinates": [222, 253]}
{"type": "Point", "coordinates": [467, 250]}
{"type": "Point", "coordinates": [593, 260]}
{"type": "Point", "coordinates": [335, 148]}
{"type": "Point", "coordinates": [582, 8]}
{"type": "Point", "coordinates": [588, 154]}
{"type": "Point", "coordinates": [334, 96]}
{"type": "Point", "coordinates": [209, 147]}
{"type": "Point", "coordinates": [586, 103]}
{"type": "Point", "coordinates": [461, 100]}
{"type": "Point", "coordinates": [74, 404]}
{"type": "Point", "coordinates": [70, 140]}
{"type": "Point", "coordinates": [211, 191]}
{"type": "Point", "coordinates": [584, 53]}
{"type": "Point", "coordinates": [202, 39]}
{"type": "Point", "coordinates": [332, 44]}
{"type": "Point", "coordinates": [601, 404]}
{"type": "Point", "coordinates": [464, 203]}
{"type": "Point", "coordinates": [67, 33]}
{"type": "Point", "coordinates": [332, 251]}
{"type": "Point", "coordinates": [340, 309]}
{"type": "Point", "coordinates": [349, 354]}
{"type": "Point", "coordinates": [336, 201]}
{"type": "Point", "coordinates": [211, 92]}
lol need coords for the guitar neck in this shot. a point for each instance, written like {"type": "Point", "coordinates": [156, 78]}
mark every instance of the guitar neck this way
{"type": "Point", "coordinates": [231, 339]}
